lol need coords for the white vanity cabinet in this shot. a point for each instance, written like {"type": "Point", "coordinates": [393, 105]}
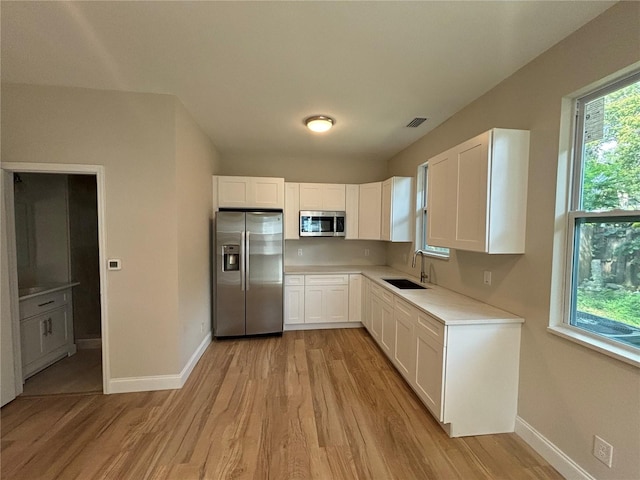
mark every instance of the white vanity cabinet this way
{"type": "Point", "coordinates": [477, 193]}
{"type": "Point", "coordinates": [46, 330]}
{"type": "Point", "coordinates": [322, 196]}
{"type": "Point", "coordinates": [250, 192]}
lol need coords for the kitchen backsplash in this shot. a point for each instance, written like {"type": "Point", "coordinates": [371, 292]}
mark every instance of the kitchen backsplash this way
{"type": "Point", "coordinates": [334, 251]}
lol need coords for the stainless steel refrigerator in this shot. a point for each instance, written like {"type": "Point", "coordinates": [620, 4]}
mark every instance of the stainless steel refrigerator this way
{"type": "Point", "coordinates": [249, 273]}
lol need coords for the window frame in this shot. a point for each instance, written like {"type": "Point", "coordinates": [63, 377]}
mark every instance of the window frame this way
{"type": "Point", "coordinates": [573, 214]}
{"type": "Point", "coordinates": [422, 215]}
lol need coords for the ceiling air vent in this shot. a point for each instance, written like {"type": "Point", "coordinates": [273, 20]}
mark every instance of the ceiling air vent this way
{"type": "Point", "coordinates": [416, 122]}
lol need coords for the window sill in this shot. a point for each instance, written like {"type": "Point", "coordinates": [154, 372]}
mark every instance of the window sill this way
{"type": "Point", "coordinates": [621, 353]}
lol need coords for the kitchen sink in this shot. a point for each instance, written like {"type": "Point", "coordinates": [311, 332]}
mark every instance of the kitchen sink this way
{"type": "Point", "coordinates": [404, 284]}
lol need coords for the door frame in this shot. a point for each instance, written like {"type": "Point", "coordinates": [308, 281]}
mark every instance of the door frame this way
{"type": "Point", "coordinates": [59, 168]}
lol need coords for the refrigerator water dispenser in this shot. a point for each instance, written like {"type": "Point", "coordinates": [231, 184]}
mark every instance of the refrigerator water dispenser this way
{"type": "Point", "coordinates": [231, 256]}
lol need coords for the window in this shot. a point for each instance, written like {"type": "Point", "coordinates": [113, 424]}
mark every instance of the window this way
{"type": "Point", "coordinates": [421, 217]}
{"type": "Point", "coordinates": [603, 280]}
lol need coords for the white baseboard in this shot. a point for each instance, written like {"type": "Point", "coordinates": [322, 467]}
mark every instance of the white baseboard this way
{"type": "Point", "coordinates": [160, 382]}
{"type": "Point", "coordinates": [551, 453]}
{"type": "Point", "coordinates": [321, 326]}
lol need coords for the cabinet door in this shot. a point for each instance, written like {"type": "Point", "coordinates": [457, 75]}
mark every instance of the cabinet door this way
{"type": "Point", "coordinates": [472, 201]}
{"type": "Point", "coordinates": [429, 376]}
{"type": "Point", "coordinates": [292, 211]}
{"type": "Point", "coordinates": [233, 192]}
{"type": "Point", "coordinates": [352, 200]}
{"type": "Point", "coordinates": [311, 196]}
{"type": "Point", "coordinates": [294, 304]}
{"type": "Point", "coordinates": [388, 334]}
{"type": "Point", "coordinates": [375, 317]}
{"type": "Point", "coordinates": [369, 211]}
{"type": "Point", "coordinates": [266, 192]}
{"type": "Point", "coordinates": [405, 318]}
{"type": "Point", "coordinates": [314, 298]}
{"type": "Point", "coordinates": [442, 199]}
{"type": "Point", "coordinates": [336, 303]}
{"type": "Point", "coordinates": [385, 221]}
{"type": "Point", "coordinates": [366, 303]}
{"type": "Point", "coordinates": [355, 298]}
{"type": "Point", "coordinates": [57, 330]}
{"type": "Point", "coordinates": [333, 197]}
{"type": "Point", "coordinates": [32, 332]}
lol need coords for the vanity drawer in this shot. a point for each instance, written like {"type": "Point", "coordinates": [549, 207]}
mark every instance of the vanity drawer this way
{"type": "Point", "coordinates": [43, 303]}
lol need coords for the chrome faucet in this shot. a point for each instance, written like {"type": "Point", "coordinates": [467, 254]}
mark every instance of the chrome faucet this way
{"type": "Point", "coordinates": [423, 276]}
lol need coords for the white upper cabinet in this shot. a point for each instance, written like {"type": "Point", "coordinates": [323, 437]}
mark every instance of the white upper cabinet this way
{"type": "Point", "coordinates": [322, 196]}
{"type": "Point", "coordinates": [351, 210]}
{"type": "Point", "coordinates": [251, 192]}
{"type": "Point", "coordinates": [291, 211]}
{"type": "Point", "coordinates": [370, 211]}
{"type": "Point", "coordinates": [477, 193]}
{"type": "Point", "coordinates": [396, 210]}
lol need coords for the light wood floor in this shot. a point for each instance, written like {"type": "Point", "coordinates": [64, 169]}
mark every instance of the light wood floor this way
{"type": "Point", "coordinates": [79, 373]}
{"type": "Point", "coordinates": [307, 405]}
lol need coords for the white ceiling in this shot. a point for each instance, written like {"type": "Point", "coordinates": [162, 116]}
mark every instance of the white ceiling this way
{"type": "Point", "coordinates": [250, 72]}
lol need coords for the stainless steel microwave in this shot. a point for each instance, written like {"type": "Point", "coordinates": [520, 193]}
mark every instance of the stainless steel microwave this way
{"type": "Point", "coordinates": [322, 224]}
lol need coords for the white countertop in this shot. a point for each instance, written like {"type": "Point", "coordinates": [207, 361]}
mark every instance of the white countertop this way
{"type": "Point", "coordinates": [449, 307]}
{"type": "Point", "coordinates": [30, 292]}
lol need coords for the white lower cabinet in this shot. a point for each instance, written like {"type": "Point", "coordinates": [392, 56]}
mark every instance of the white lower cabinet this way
{"type": "Point", "coordinates": [466, 373]}
{"type": "Point", "coordinates": [46, 330]}
{"type": "Point", "coordinates": [355, 297]}
{"type": "Point", "coordinates": [429, 356]}
{"type": "Point", "coordinates": [326, 303]}
{"type": "Point", "coordinates": [404, 317]}
{"type": "Point", "coordinates": [293, 299]}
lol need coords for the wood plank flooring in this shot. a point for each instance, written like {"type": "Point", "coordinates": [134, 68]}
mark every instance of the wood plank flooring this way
{"type": "Point", "coordinates": [320, 404]}
{"type": "Point", "coordinates": [79, 373]}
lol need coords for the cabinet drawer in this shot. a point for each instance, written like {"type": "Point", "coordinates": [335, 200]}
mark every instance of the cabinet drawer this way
{"type": "Point", "coordinates": [43, 303]}
{"type": "Point", "coordinates": [432, 327]}
{"type": "Point", "coordinates": [326, 279]}
{"type": "Point", "coordinates": [386, 296]}
{"type": "Point", "coordinates": [294, 279]}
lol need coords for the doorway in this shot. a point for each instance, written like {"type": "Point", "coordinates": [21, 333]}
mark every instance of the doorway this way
{"type": "Point", "coordinates": [56, 225]}
{"type": "Point", "coordinates": [86, 368]}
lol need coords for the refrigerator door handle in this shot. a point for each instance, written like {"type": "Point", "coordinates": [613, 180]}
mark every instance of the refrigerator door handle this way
{"type": "Point", "coordinates": [246, 268]}
{"type": "Point", "coordinates": [243, 252]}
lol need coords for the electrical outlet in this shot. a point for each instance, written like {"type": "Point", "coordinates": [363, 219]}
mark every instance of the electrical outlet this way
{"type": "Point", "coordinates": [366, 252]}
{"type": "Point", "coordinates": [201, 327]}
{"type": "Point", "coordinates": [602, 450]}
{"type": "Point", "coordinates": [487, 277]}
{"type": "Point", "coordinates": [299, 252]}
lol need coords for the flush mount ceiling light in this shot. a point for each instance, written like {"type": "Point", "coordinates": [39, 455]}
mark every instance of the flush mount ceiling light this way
{"type": "Point", "coordinates": [319, 123]}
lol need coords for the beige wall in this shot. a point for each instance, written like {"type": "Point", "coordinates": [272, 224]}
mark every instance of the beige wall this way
{"type": "Point", "coordinates": [133, 137]}
{"type": "Point", "coordinates": [196, 161]}
{"type": "Point", "coordinates": [567, 392]}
